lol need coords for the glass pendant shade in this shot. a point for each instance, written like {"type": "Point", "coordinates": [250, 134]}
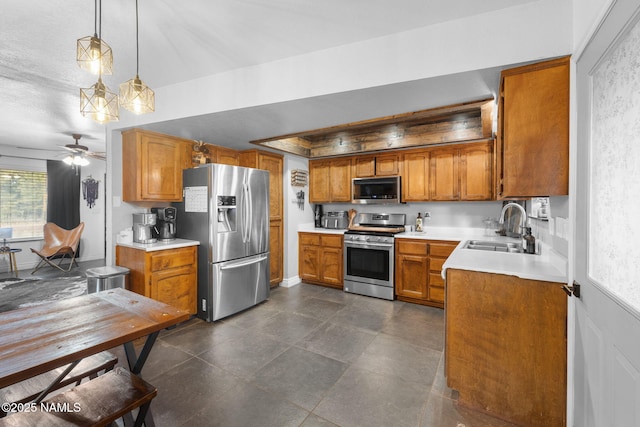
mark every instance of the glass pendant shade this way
{"type": "Point", "coordinates": [99, 103]}
{"type": "Point", "coordinates": [94, 55]}
{"type": "Point", "coordinates": [137, 97]}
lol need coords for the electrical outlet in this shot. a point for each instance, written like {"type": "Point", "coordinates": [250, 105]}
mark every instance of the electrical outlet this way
{"type": "Point", "coordinates": [427, 215]}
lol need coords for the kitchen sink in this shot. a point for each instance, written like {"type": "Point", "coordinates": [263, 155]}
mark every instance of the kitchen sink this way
{"type": "Point", "coordinates": [483, 245]}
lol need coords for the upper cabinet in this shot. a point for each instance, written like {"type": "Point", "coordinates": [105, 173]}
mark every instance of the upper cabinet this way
{"type": "Point", "coordinates": [152, 166]}
{"type": "Point", "coordinates": [415, 175]}
{"type": "Point", "coordinates": [476, 171]}
{"type": "Point", "coordinates": [533, 130]}
{"type": "Point", "coordinates": [330, 180]}
{"type": "Point", "coordinates": [226, 156]}
{"type": "Point", "coordinates": [377, 165]}
{"type": "Point", "coordinates": [448, 173]}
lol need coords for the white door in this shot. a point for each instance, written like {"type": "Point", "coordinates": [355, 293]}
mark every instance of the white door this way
{"type": "Point", "coordinates": [607, 250]}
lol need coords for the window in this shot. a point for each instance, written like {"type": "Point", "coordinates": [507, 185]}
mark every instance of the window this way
{"type": "Point", "coordinates": [23, 202]}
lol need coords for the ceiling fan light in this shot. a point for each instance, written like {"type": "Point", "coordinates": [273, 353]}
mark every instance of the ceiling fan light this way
{"type": "Point", "coordinates": [94, 55]}
{"type": "Point", "coordinates": [137, 97]}
{"type": "Point", "coordinates": [68, 160]}
{"type": "Point", "coordinates": [99, 103]}
{"type": "Point", "coordinates": [80, 161]}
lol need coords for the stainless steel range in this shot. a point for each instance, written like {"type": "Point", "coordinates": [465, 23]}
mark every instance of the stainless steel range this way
{"type": "Point", "coordinates": [369, 254]}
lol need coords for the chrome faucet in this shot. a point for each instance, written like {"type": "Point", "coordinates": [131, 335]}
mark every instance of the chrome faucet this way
{"type": "Point", "coordinates": [523, 215]}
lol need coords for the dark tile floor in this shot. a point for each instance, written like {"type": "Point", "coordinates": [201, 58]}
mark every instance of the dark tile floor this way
{"type": "Point", "coordinates": [309, 356]}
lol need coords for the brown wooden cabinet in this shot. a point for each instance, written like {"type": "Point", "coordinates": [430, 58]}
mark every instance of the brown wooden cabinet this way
{"type": "Point", "coordinates": [411, 269]}
{"type": "Point", "coordinates": [274, 163]}
{"type": "Point", "coordinates": [418, 266]}
{"type": "Point", "coordinates": [330, 180]}
{"type": "Point", "coordinates": [225, 156]}
{"type": "Point", "coordinates": [476, 171]}
{"type": "Point", "coordinates": [444, 178]}
{"type": "Point", "coordinates": [152, 166]}
{"type": "Point", "coordinates": [415, 176]}
{"type": "Point", "coordinates": [169, 275]}
{"type": "Point", "coordinates": [320, 259]}
{"type": "Point", "coordinates": [533, 130]}
{"type": "Point", "coordinates": [448, 173]}
{"type": "Point", "coordinates": [376, 165]}
{"type": "Point", "coordinates": [506, 346]}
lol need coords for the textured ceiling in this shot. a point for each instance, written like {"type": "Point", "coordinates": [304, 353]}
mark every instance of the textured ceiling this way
{"type": "Point", "coordinates": [180, 41]}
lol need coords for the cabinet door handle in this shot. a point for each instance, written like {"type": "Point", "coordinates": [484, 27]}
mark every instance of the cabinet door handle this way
{"type": "Point", "coordinates": [573, 290]}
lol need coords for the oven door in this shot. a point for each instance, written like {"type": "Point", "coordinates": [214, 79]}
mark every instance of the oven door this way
{"type": "Point", "coordinates": [369, 263]}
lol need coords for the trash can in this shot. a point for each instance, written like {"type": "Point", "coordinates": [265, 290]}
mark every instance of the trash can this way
{"type": "Point", "coordinates": [101, 278]}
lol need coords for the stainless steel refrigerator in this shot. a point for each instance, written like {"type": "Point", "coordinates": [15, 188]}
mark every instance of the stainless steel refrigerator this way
{"type": "Point", "coordinates": [226, 208]}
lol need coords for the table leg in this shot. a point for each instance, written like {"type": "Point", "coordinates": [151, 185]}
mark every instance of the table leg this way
{"type": "Point", "coordinates": [56, 381]}
{"type": "Point", "coordinates": [12, 262]}
{"type": "Point", "coordinates": [136, 363]}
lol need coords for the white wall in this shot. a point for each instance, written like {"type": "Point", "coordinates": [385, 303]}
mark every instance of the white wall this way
{"type": "Point", "coordinates": [527, 32]}
{"type": "Point", "coordinates": [293, 216]}
{"type": "Point", "coordinates": [93, 236]}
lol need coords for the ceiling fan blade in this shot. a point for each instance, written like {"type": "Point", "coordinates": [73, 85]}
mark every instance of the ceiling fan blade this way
{"type": "Point", "coordinates": [97, 155]}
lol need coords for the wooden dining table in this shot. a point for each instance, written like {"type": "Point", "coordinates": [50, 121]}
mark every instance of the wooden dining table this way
{"type": "Point", "coordinates": [37, 339]}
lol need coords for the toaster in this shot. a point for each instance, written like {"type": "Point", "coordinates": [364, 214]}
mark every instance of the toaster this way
{"type": "Point", "coordinates": [336, 220]}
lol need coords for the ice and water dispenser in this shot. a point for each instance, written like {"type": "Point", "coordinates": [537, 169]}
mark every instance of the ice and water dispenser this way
{"type": "Point", "coordinates": [227, 214]}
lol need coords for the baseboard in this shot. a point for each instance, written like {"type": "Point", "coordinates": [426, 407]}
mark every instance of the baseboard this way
{"type": "Point", "coordinates": [290, 282]}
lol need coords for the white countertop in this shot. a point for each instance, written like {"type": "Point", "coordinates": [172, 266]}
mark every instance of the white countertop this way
{"type": "Point", "coordinates": [310, 228]}
{"type": "Point", "coordinates": [160, 246]}
{"type": "Point", "coordinates": [455, 234]}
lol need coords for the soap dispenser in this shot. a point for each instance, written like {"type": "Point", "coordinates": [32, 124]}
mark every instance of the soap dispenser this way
{"type": "Point", "coordinates": [419, 222]}
{"type": "Point", "coordinates": [528, 241]}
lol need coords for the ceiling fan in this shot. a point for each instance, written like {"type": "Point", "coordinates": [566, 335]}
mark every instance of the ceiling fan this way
{"type": "Point", "coordinates": [83, 150]}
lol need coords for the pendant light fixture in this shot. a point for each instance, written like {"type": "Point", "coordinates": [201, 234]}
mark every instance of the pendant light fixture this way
{"type": "Point", "coordinates": [99, 103]}
{"type": "Point", "coordinates": [136, 96]}
{"type": "Point", "coordinates": [92, 53]}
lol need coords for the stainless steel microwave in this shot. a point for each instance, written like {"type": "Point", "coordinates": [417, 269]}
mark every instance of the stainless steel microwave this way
{"type": "Point", "coordinates": [376, 190]}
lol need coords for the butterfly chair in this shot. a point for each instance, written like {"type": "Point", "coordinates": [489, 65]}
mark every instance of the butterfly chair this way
{"type": "Point", "coordinates": [58, 243]}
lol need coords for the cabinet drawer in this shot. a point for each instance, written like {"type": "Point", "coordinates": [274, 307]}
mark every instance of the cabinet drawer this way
{"type": "Point", "coordinates": [163, 260]}
{"type": "Point", "coordinates": [441, 249]}
{"type": "Point", "coordinates": [309, 239]}
{"type": "Point", "coordinates": [436, 264]}
{"type": "Point", "coordinates": [436, 293]}
{"type": "Point", "coordinates": [435, 279]}
{"type": "Point", "coordinates": [331, 241]}
{"type": "Point", "coordinates": [412, 247]}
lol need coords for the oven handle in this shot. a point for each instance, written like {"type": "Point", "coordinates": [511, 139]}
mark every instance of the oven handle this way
{"type": "Point", "coordinates": [366, 245]}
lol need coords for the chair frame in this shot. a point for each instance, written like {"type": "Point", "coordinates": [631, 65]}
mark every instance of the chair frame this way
{"type": "Point", "coordinates": [62, 251]}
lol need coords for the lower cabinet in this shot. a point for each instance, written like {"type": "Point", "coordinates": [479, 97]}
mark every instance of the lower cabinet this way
{"type": "Point", "coordinates": [169, 276]}
{"type": "Point", "coordinates": [320, 259]}
{"type": "Point", "coordinates": [418, 268]}
{"type": "Point", "coordinates": [506, 346]}
{"type": "Point", "coordinates": [275, 252]}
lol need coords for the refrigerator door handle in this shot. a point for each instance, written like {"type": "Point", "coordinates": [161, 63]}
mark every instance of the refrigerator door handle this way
{"type": "Point", "coordinates": [250, 217]}
{"type": "Point", "coordinates": [247, 209]}
{"type": "Point", "coordinates": [245, 213]}
{"type": "Point", "coordinates": [243, 263]}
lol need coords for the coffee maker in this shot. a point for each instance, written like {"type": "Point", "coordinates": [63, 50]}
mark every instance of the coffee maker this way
{"type": "Point", "coordinates": [143, 223]}
{"type": "Point", "coordinates": [165, 229]}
